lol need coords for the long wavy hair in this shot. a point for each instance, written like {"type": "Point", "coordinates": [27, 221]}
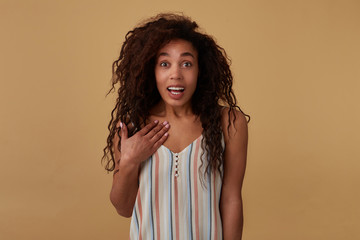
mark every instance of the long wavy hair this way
{"type": "Point", "coordinates": [134, 76]}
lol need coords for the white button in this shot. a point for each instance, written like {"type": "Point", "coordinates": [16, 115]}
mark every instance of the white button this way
{"type": "Point", "coordinates": [176, 163]}
{"type": "Point", "coordinates": [176, 175]}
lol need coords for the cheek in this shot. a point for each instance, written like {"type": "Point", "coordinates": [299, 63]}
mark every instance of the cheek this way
{"type": "Point", "coordinates": [193, 82]}
{"type": "Point", "coordinates": [157, 78]}
{"type": "Point", "coordinates": [158, 75]}
{"type": "Point", "coordinates": [159, 84]}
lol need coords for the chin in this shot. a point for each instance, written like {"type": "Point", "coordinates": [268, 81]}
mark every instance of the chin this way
{"type": "Point", "coordinates": [176, 103]}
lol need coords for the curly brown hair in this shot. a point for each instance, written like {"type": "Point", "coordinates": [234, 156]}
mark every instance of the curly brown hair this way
{"type": "Point", "coordinates": [138, 94]}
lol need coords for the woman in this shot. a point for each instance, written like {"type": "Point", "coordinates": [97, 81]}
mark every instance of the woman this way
{"type": "Point", "coordinates": [177, 141]}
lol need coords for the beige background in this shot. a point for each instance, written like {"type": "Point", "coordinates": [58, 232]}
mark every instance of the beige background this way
{"type": "Point", "coordinates": [297, 71]}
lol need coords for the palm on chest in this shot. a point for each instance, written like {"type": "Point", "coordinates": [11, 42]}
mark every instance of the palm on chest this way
{"type": "Point", "coordinates": [182, 133]}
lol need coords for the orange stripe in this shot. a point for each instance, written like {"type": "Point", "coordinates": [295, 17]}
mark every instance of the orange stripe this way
{"type": "Point", "coordinates": [140, 212]}
{"type": "Point", "coordinates": [176, 209]}
{"type": "Point", "coordinates": [215, 209]}
{"type": "Point", "coordinates": [196, 190]}
{"type": "Point", "coordinates": [157, 194]}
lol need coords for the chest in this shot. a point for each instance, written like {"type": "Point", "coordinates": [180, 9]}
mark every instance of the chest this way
{"type": "Point", "coordinates": [182, 133]}
{"type": "Point", "coordinates": [181, 165]}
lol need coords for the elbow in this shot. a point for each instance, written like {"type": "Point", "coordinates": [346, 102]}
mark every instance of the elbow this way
{"type": "Point", "coordinates": [126, 214]}
{"type": "Point", "coordinates": [120, 209]}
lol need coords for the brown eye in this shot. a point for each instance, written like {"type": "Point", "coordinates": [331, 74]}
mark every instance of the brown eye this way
{"type": "Point", "coordinates": [164, 64]}
{"type": "Point", "coordinates": [187, 64]}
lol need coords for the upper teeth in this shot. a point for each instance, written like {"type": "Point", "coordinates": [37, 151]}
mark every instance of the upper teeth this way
{"type": "Point", "coordinates": [176, 88]}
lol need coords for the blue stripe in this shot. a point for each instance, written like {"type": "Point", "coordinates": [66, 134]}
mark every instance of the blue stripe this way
{"type": "Point", "coordinates": [189, 191]}
{"type": "Point", "coordinates": [150, 198]}
{"type": "Point", "coordinates": [136, 220]}
{"type": "Point", "coordinates": [170, 200]}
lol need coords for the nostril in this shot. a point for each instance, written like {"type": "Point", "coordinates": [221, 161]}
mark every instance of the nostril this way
{"type": "Point", "coordinates": [176, 76]}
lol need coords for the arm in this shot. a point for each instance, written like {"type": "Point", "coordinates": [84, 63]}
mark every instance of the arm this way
{"type": "Point", "coordinates": [134, 151]}
{"type": "Point", "coordinates": [231, 206]}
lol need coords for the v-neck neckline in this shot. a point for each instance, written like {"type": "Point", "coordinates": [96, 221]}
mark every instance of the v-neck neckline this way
{"type": "Point", "coordinates": [198, 138]}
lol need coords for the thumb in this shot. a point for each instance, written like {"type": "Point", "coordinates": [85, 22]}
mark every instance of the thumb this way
{"type": "Point", "coordinates": [124, 131]}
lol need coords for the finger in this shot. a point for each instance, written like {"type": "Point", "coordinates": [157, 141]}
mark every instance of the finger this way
{"type": "Point", "coordinates": [161, 132]}
{"type": "Point", "coordinates": [148, 127]}
{"type": "Point", "coordinates": [156, 129]}
{"type": "Point", "coordinates": [116, 140]}
{"type": "Point", "coordinates": [124, 131]}
{"type": "Point", "coordinates": [116, 135]}
{"type": "Point", "coordinates": [161, 141]}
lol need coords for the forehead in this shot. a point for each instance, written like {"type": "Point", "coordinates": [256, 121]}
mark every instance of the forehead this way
{"type": "Point", "coordinates": [178, 47]}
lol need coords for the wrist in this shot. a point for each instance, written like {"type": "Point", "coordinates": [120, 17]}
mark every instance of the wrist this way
{"type": "Point", "coordinates": [126, 163]}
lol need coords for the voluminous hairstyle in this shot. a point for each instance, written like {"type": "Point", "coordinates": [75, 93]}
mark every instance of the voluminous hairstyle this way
{"type": "Point", "coordinates": [134, 75]}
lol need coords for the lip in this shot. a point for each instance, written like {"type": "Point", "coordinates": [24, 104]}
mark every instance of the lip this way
{"type": "Point", "coordinates": [176, 85]}
{"type": "Point", "coordinates": [176, 95]}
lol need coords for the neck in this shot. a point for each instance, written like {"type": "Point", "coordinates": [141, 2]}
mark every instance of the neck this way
{"type": "Point", "coordinates": [165, 110]}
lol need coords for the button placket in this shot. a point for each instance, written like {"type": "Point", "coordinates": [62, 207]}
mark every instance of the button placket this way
{"type": "Point", "coordinates": [176, 165]}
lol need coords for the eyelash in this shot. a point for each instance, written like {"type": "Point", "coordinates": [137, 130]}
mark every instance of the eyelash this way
{"type": "Point", "coordinates": [185, 64]}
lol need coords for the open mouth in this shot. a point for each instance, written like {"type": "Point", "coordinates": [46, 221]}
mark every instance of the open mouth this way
{"type": "Point", "coordinates": [175, 90]}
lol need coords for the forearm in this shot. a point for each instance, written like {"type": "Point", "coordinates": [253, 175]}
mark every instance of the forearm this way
{"type": "Point", "coordinates": [124, 189]}
{"type": "Point", "coordinates": [232, 220]}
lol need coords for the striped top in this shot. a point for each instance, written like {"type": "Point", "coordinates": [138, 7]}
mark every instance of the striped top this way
{"type": "Point", "coordinates": [174, 201]}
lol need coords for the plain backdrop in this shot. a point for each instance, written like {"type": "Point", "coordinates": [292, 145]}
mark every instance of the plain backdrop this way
{"type": "Point", "coordinates": [296, 66]}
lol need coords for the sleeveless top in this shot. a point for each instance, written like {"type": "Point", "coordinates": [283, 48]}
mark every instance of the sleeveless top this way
{"type": "Point", "coordinates": [175, 200]}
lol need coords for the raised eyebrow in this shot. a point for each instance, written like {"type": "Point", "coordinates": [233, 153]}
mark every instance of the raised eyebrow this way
{"type": "Point", "coordinates": [182, 55]}
{"type": "Point", "coordinates": [187, 54]}
{"type": "Point", "coordinates": [163, 54]}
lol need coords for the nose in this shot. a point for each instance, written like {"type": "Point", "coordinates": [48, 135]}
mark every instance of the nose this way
{"type": "Point", "coordinates": [176, 73]}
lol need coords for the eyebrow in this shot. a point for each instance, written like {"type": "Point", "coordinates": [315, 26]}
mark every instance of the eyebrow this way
{"type": "Point", "coordinates": [182, 55]}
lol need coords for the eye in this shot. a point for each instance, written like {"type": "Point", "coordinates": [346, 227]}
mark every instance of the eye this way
{"type": "Point", "coordinates": [187, 64]}
{"type": "Point", "coordinates": [164, 64]}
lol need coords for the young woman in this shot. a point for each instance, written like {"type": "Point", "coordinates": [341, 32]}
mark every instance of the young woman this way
{"type": "Point", "coordinates": [177, 141]}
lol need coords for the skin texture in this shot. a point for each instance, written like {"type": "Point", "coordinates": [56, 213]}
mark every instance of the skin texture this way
{"type": "Point", "coordinates": [177, 66]}
{"type": "Point", "coordinates": [231, 206]}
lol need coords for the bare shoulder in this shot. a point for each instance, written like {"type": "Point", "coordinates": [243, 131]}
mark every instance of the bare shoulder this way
{"type": "Point", "coordinates": [234, 125]}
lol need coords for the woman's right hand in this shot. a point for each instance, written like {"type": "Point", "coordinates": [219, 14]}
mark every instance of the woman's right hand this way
{"type": "Point", "coordinates": [134, 150]}
{"type": "Point", "coordinates": [143, 144]}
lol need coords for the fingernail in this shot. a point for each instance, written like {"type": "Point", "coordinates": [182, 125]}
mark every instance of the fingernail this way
{"type": "Point", "coordinates": [156, 121]}
{"type": "Point", "coordinates": [167, 125]}
{"type": "Point", "coordinates": [121, 124]}
{"type": "Point", "coordinates": [165, 122]}
{"type": "Point", "coordinates": [166, 134]}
